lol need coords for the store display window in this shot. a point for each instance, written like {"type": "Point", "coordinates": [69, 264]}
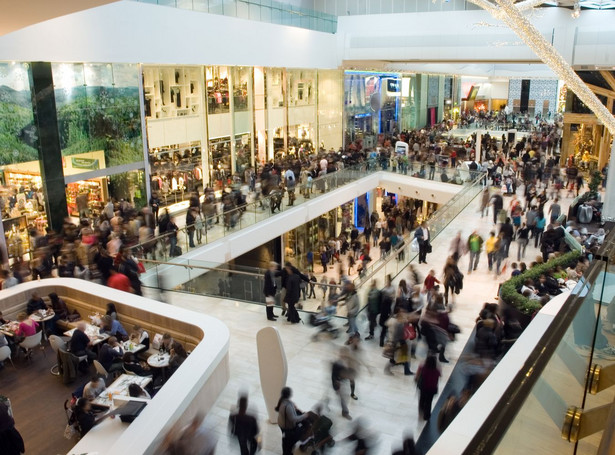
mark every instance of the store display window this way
{"type": "Point", "coordinates": [86, 198]}
{"type": "Point", "coordinates": [176, 171]}
{"type": "Point", "coordinates": [220, 159]}
{"type": "Point", "coordinates": [274, 78]}
{"type": "Point", "coordinates": [171, 91]}
{"type": "Point", "coordinates": [98, 108]}
{"type": "Point", "coordinates": [241, 79]}
{"type": "Point", "coordinates": [217, 82]}
{"type": "Point", "coordinates": [301, 87]}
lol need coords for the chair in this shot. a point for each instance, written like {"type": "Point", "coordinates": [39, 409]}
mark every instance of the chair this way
{"type": "Point", "coordinates": [31, 342]}
{"type": "Point", "coordinates": [100, 369]}
{"type": "Point", "coordinates": [56, 343]}
{"type": "Point", "coordinates": [5, 353]}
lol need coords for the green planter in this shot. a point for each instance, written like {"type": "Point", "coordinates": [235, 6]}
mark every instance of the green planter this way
{"type": "Point", "coordinates": [508, 291]}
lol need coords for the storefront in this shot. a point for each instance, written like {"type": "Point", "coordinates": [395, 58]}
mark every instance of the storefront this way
{"type": "Point", "coordinates": [372, 105]}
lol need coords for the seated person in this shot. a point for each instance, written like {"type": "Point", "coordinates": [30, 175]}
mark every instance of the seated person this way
{"type": "Point", "coordinates": [528, 284]}
{"type": "Point", "coordinates": [531, 295]}
{"type": "Point", "coordinates": [27, 327]}
{"type": "Point", "coordinates": [135, 391]}
{"type": "Point", "coordinates": [140, 336]}
{"type": "Point", "coordinates": [110, 355]}
{"type": "Point", "coordinates": [34, 304]}
{"type": "Point", "coordinates": [178, 355]}
{"type": "Point", "coordinates": [114, 328]}
{"type": "Point", "coordinates": [85, 417]}
{"type": "Point", "coordinates": [59, 307]}
{"type": "Point", "coordinates": [111, 311]}
{"type": "Point", "coordinates": [167, 343]}
{"type": "Point", "coordinates": [132, 365]}
{"type": "Point", "coordinates": [80, 343]}
{"type": "Point", "coordinates": [94, 388]}
{"type": "Point", "coordinates": [2, 319]}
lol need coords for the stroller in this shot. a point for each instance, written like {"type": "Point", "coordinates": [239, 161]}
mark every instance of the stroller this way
{"type": "Point", "coordinates": [321, 321]}
{"type": "Point", "coordinates": [315, 436]}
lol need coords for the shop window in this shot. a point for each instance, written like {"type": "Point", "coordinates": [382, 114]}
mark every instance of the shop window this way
{"type": "Point", "coordinates": [241, 78]}
{"type": "Point", "coordinates": [176, 171]}
{"type": "Point", "coordinates": [216, 78]}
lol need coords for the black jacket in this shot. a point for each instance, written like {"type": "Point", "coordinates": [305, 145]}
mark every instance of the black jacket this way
{"type": "Point", "coordinates": [270, 287]}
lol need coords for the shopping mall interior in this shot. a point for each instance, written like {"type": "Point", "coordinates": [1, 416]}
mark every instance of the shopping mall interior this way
{"type": "Point", "coordinates": [307, 226]}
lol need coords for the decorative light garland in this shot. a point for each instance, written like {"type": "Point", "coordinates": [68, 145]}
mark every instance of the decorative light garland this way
{"type": "Point", "coordinates": [511, 15]}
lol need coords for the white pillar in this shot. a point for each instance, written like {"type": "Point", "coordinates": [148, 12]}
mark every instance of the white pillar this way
{"type": "Point", "coordinates": [479, 135]}
{"type": "Point", "coordinates": [608, 208]}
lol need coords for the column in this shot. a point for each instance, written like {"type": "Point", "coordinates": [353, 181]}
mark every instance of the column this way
{"type": "Point", "coordinates": [231, 103]}
{"type": "Point", "coordinates": [148, 183]}
{"type": "Point", "coordinates": [608, 209]}
{"type": "Point", "coordinates": [253, 129]}
{"type": "Point", "coordinates": [49, 151]}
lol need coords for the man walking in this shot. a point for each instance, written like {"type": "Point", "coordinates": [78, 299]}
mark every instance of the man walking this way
{"type": "Point", "coordinates": [475, 245]}
{"type": "Point", "coordinates": [245, 428]}
{"type": "Point", "coordinates": [422, 236]}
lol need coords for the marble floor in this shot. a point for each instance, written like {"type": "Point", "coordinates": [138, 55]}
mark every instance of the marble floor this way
{"type": "Point", "coordinates": [387, 403]}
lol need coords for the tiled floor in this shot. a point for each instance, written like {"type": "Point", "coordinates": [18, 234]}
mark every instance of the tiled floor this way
{"type": "Point", "coordinates": [388, 403]}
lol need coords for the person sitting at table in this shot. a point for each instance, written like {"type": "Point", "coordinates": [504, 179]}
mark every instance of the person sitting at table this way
{"type": "Point", "coordinates": [110, 355]}
{"type": "Point", "coordinates": [114, 328]}
{"type": "Point", "coordinates": [95, 387]}
{"type": "Point", "coordinates": [58, 306]}
{"type": "Point", "coordinates": [178, 355]}
{"type": "Point", "coordinates": [140, 336]}
{"type": "Point", "coordinates": [80, 343]}
{"type": "Point", "coordinates": [85, 417]}
{"type": "Point", "coordinates": [132, 365]}
{"type": "Point", "coordinates": [34, 304]}
{"type": "Point", "coordinates": [167, 343]}
{"type": "Point", "coordinates": [2, 320]}
{"type": "Point", "coordinates": [135, 391]}
{"type": "Point", "coordinates": [27, 327]}
{"type": "Point", "coordinates": [111, 311]}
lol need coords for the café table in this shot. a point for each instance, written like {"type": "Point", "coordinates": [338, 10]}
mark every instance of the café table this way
{"type": "Point", "coordinates": [160, 360]}
{"type": "Point", "coordinates": [9, 328]}
{"type": "Point", "coordinates": [43, 316]}
{"type": "Point", "coordinates": [129, 346]}
{"type": "Point", "coordinates": [93, 333]}
{"type": "Point", "coordinates": [119, 388]}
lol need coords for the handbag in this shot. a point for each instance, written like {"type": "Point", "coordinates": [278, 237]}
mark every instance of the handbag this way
{"type": "Point", "coordinates": [409, 332]}
{"type": "Point", "coordinates": [388, 352]}
{"type": "Point", "coordinates": [70, 431]}
{"type": "Point", "coordinates": [428, 249]}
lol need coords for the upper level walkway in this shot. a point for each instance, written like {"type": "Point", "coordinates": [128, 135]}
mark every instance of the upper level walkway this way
{"type": "Point", "coordinates": [255, 224]}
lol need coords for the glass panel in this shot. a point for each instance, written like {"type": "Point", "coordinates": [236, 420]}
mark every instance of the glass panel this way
{"type": "Point", "coordinates": [201, 5]}
{"type": "Point", "coordinates": [241, 75]}
{"type": "Point", "coordinates": [216, 78]}
{"type": "Point", "coordinates": [98, 115]}
{"type": "Point", "coordinates": [18, 138]}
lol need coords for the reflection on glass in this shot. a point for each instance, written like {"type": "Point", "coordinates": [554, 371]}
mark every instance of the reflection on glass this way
{"type": "Point", "coordinates": [98, 111]}
{"type": "Point", "coordinates": [241, 76]}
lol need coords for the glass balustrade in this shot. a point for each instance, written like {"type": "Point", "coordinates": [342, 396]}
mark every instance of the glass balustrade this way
{"type": "Point", "coordinates": [228, 222]}
{"type": "Point", "coordinates": [560, 400]}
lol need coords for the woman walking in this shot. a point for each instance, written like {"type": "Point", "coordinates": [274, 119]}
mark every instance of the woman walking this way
{"type": "Point", "coordinates": [427, 378]}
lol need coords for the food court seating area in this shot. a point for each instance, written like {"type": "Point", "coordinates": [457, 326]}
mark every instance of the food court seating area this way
{"type": "Point", "coordinates": [194, 387]}
{"type": "Point", "coordinates": [87, 305]}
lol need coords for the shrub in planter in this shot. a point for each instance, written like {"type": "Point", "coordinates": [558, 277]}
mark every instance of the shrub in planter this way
{"type": "Point", "coordinates": [509, 293]}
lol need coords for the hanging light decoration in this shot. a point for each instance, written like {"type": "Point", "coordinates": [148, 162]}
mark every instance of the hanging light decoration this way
{"type": "Point", "coordinates": [510, 14]}
{"type": "Point", "coordinates": [576, 10]}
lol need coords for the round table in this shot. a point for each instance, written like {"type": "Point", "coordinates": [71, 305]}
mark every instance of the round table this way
{"type": "Point", "coordinates": [38, 317]}
{"type": "Point", "coordinates": [159, 360]}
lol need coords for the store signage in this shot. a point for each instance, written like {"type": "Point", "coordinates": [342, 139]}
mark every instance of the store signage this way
{"type": "Point", "coordinates": [85, 163]}
{"type": "Point", "coordinates": [393, 87]}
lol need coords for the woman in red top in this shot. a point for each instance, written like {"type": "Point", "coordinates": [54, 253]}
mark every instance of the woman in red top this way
{"type": "Point", "coordinates": [427, 378]}
{"type": "Point", "coordinates": [430, 280]}
{"type": "Point", "coordinates": [27, 327]}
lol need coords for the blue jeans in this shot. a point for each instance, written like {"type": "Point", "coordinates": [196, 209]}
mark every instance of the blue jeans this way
{"type": "Point", "coordinates": [352, 325]}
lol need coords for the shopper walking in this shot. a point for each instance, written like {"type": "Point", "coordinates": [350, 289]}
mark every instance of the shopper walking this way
{"type": "Point", "coordinates": [288, 419]}
{"type": "Point", "coordinates": [475, 246]}
{"type": "Point", "coordinates": [245, 428]}
{"type": "Point", "coordinates": [427, 378]}
{"type": "Point", "coordinates": [522, 240]}
{"type": "Point", "coordinates": [422, 236]}
{"type": "Point", "coordinates": [374, 297]}
{"type": "Point", "coordinates": [293, 292]}
{"type": "Point", "coordinates": [270, 289]}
